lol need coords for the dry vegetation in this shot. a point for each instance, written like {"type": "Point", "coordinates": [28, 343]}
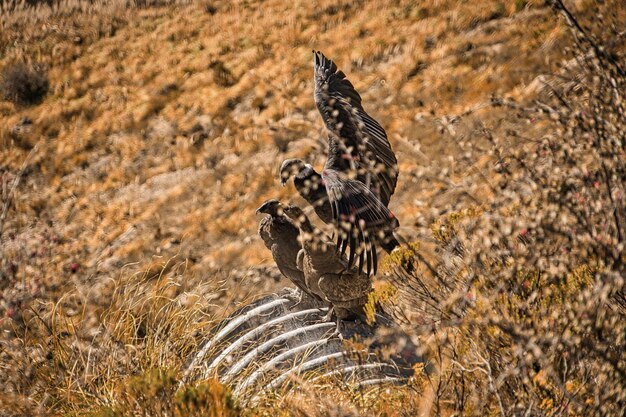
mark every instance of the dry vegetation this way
{"type": "Point", "coordinates": [128, 190]}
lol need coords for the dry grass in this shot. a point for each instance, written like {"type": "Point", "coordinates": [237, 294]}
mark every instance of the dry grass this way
{"type": "Point", "coordinates": [161, 134]}
{"type": "Point", "coordinates": [119, 174]}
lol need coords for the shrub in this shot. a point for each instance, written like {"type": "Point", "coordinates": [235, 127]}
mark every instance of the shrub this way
{"type": "Point", "coordinates": [24, 84]}
{"type": "Point", "coordinates": [534, 284]}
{"type": "Point", "coordinates": [154, 393]}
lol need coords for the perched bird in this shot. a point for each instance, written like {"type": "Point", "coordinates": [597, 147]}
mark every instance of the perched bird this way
{"type": "Point", "coordinates": [281, 237]}
{"type": "Point", "coordinates": [326, 272]}
{"type": "Point", "coordinates": [360, 174]}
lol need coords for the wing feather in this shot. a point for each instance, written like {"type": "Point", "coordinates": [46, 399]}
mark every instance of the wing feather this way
{"type": "Point", "coordinates": [360, 216]}
{"type": "Point", "coordinates": [340, 107]}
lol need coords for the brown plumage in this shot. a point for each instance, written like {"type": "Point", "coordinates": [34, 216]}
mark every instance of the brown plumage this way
{"type": "Point", "coordinates": [280, 236]}
{"type": "Point", "coordinates": [326, 272]}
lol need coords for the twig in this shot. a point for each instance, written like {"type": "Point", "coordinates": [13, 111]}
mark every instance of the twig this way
{"type": "Point", "coordinates": [575, 26]}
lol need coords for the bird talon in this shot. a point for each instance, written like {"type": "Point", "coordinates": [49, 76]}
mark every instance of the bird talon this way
{"type": "Point", "coordinates": [329, 316]}
{"type": "Point", "coordinates": [337, 333]}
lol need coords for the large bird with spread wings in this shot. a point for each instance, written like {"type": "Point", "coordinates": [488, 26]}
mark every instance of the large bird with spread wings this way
{"type": "Point", "coordinates": [359, 176]}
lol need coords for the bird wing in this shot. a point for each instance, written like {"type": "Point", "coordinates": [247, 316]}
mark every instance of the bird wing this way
{"type": "Point", "coordinates": [340, 106]}
{"type": "Point", "coordinates": [359, 215]}
{"type": "Point", "coordinates": [291, 271]}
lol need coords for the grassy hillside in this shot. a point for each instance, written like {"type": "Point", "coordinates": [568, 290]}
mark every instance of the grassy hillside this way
{"type": "Point", "coordinates": [162, 133]}
{"type": "Point", "coordinates": [136, 177]}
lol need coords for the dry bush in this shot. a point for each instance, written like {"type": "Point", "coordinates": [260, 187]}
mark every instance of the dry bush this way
{"type": "Point", "coordinates": [24, 84]}
{"type": "Point", "coordinates": [154, 393]}
{"type": "Point", "coordinates": [527, 307]}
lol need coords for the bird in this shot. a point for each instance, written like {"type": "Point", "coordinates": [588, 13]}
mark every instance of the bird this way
{"type": "Point", "coordinates": [309, 185]}
{"type": "Point", "coordinates": [327, 273]}
{"type": "Point", "coordinates": [360, 174]}
{"type": "Point", "coordinates": [281, 237]}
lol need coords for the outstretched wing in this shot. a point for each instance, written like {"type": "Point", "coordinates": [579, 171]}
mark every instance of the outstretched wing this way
{"type": "Point", "coordinates": [361, 218]}
{"type": "Point", "coordinates": [340, 106]}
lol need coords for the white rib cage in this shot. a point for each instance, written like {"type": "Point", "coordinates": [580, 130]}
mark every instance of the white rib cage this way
{"type": "Point", "coordinates": [269, 343]}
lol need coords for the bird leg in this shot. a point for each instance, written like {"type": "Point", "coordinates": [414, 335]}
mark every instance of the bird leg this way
{"type": "Point", "coordinates": [329, 316]}
{"type": "Point", "coordinates": [338, 329]}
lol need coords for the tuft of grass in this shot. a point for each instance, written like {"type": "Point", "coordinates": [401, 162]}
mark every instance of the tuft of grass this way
{"type": "Point", "coordinates": [445, 228]}
{"type": "Point", "coordinates": [209, 398]}
{"type": "Point", "coordinates": [382, 295]}
{"type": "Point", "coordinates": [155, 393]}
{"type": "Point", "coordinates": [403, 256]}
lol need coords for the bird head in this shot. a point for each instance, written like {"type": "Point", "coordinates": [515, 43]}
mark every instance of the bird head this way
{"type": "Point", "coordinates": [272, 207]}
{"type": "Point", "coordinates": [288, 168]}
